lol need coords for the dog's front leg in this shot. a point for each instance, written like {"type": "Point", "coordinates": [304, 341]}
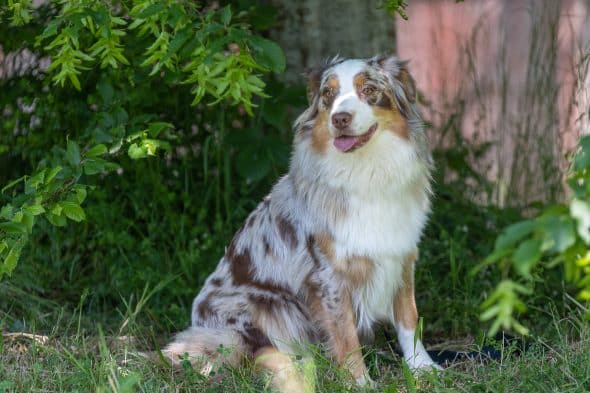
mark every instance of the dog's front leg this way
{"type": "Point", "coordinates": [332, 309]}
{"type": "Point", "coordinates": [405, 316]}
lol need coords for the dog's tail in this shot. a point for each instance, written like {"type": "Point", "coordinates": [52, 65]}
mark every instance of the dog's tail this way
{"type": "Point", "coordinates": [206, 348]}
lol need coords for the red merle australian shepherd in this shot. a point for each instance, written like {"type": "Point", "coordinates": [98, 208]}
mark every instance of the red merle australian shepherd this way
{"type": "Point", "coordinates": [331, 250]}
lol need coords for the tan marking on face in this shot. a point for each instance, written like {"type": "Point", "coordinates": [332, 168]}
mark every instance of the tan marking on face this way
{"type": "Point", "coordinates": [320, 135]}
{"type": "Point", "coordinates": [340, 327]}
{"type": "Point", "coordinates": [333, 83]}
{"type": "Point", "coordinates": [405, 312]}
{"type": "Point", "coordinates": [359, 81]}
{"type": "Point", "coordinates": [392, 121]}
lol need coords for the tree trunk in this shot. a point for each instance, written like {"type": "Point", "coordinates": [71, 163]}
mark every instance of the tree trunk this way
{"type": "Point", "coordinates": [310, 31]}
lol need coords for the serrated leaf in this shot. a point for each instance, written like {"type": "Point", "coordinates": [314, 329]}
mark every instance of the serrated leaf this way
{"type": "Point", "coordinates": [35, 209]}
{"type": "Point", "coordinates": [268, 53]}
{"type": "Point", "coordinates": [136, 152]}
{"type": "Point", "coordinates": [92, 166]}
{"type": "Point", "coordinates": [36, 179]}
{"type": "Point", "coordinates": [10, 261]}
{"type": "Point", "coordinates": [28, 220]}
{"type": "Point", "coordinates": [57, 209]}
{"type": "Point", "coordinates": [52, 173]}
{"type": "Point", "coordinates": [96, 151]}
{"type": "Point", "coordinates": [56, 220]}
{"type": "Point", "coordinates": [559, 231]}
{"type": "Point", "coordinates": [7, 212]}
{"type": "Point", "coordinates": [151, 10]}
{"type": "Point", "coordinates": [73, 153]}
{"type": "Point", "coordinates": [580, 210]}
{"type": "Point", "coordinates": [582, 158]}
{"type": "Point", "coordinates": [225, 15]}
{"type": "Point", "coordinates": [80, 194]}
{"type": "Point", "coordinates": [157, 127]}
{"type": "Point", "coordinates": [526, 256]}
{"type": "Point", "coordinates": [13, 228]}
{"type": "Point", "coordinates": [73, 211]}
{"type": "Point", "coordinates": [514, 233]}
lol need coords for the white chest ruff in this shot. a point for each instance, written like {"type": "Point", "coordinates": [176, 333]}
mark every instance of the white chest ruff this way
{"type": "Point", "coordinates": [381, 227]}
{"type": "Point", "coordinates": [386, 231]}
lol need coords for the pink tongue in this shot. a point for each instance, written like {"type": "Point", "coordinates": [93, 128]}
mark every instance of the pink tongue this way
{"type": "Point", "coordinates": [345, 143]}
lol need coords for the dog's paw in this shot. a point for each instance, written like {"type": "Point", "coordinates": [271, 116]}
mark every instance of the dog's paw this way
{"type": "Point", "coordinates": [422, 363]}
{"type": "Point", "coordinates": [365, 380]}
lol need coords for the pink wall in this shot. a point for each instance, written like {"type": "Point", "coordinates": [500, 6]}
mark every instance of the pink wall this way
{"type": "Point", "coordinates": [477, 54]}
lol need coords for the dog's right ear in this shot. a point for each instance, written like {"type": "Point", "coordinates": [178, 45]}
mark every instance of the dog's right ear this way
{"type": "Point", "coordinates": [314, 80]}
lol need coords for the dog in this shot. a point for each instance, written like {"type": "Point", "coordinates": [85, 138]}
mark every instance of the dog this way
{"type": "Point", "coordinates": [331, 250]}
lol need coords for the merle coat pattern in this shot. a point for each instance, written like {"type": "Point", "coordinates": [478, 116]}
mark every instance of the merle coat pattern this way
{"type": "Point", "coordinates": [331, 250]}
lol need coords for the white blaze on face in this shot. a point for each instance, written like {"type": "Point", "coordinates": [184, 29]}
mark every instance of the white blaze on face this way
{"type": "Point", "coordinates": [348, 101]}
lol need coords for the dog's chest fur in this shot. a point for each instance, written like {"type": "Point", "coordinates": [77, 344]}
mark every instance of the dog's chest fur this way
{"type": "Point", "coordinates": [379, 230]}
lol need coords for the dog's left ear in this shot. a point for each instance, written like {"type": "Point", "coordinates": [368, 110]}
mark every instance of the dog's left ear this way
{"type": "Point", "coordinates": [400, 77]}
{"type": "Point", "coordinates": [407, 82]}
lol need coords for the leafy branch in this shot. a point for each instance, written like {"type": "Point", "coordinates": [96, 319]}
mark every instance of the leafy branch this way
{"type": "Point", "coordinates": [558, 237]}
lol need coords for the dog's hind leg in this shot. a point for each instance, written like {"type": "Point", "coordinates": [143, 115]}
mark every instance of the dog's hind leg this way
{"type": "Point", "coordinates": [284, 374]}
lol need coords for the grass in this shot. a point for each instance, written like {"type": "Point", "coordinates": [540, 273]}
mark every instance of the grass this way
{"type": "Point", "coordinates": [77, 355]}
{"type": "Point", "coordinates": [81, 348]}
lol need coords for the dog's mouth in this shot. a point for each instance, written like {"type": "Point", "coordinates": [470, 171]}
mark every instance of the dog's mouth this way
{"type": "Point", "coordinates": [348, 143]}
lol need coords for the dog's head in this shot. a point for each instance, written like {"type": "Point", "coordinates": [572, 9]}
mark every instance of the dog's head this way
{"type": "Point", "coordinates": [363, 108]}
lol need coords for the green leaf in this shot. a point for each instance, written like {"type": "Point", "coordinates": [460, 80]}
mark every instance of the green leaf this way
{"type": "Point", "coordinates": [225, 15]}
{"type": "Point", "coordinates": [157, 127]}
{"type": "Point", "coordinates": [97, 150]}
{"type": "Point", "coordinates": [80, 194]}
{"type": "Point", "coordinates": [28, 220]}
{"type": "Point", "coordinates": [582, 158]}
{"type": "Point", "coordinates": [56, 220]}
{"type": "Point", "coordinates": [35, 209]}
{"type": "Point", "coordinates": [559, 232]}
{"type": "Point", "coordinates": [52, 173]}
{"type": "Point", "coordinates": [73, 211]}
{"type": "Point", "coordinates": [526, 256]}
{"type": "Point", "coordinates": [13, 228]}
{"type": "Point", "coordinates": [514, 233]}
{"type": "Point", "coordinates": [10, 261]}
{"type": "Point", "coordinates": [136, 152]}
{"type": "Point", "coordinates": [92, 166]}
{"type": "Point", "coordinates": [153, 9]}
{"type": "Point", "coordinates": [36, 179]}
{"type": "Point", "coordinates": [73, 153]}
{"type": "Point", "coordinates": [7, 212]}
{"type": "Point", "coordinates": [268, 53]}
{"type": "Point", "coordinates": [580, 210]}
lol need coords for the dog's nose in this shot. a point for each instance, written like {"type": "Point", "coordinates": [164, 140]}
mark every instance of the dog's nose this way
{"type": "Point", "coordinates": [341, 120]}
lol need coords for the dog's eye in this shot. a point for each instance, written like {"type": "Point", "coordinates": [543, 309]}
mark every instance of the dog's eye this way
{"type": "Point", "coordinates": [369, 90]}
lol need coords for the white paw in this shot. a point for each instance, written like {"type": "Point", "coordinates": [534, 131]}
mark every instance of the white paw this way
{"type": "Point", "coordinates": [421, 362]}
{"type": "Point", "coordinates": [365, 380]}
